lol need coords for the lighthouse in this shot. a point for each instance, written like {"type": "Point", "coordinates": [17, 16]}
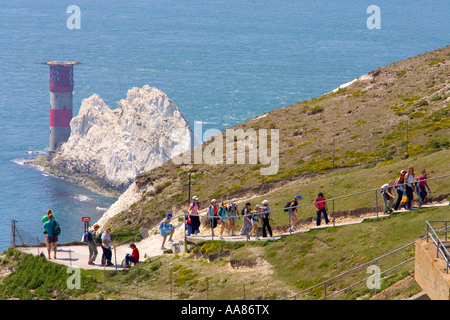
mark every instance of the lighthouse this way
{"type": "Point", "coordinates": [61, 88]}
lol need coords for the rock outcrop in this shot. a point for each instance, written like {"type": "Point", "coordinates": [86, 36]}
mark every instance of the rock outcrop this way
{"type": "Point", "coordinates": [114, 146]}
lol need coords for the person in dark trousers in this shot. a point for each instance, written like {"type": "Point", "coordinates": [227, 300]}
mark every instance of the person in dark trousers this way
{"type": "Point", "coordinates": [265, 215]}
{"type": "Point", "coordinates": [194, 208]}
{"type": "Point", "coordinates": [321, 207]}
{"type": "Point", "coordinates": [52, 238]}
{"type": "Point", "coordinates": [133, 257]}
{"type": "Point", "coordinates": [409, 180]}
{"type": "Point", "coordinates": [400, 187]}
{"type": "Point", "coordinates": [422, 185]}
{"type": "Point", "coordinates": [106, 247]}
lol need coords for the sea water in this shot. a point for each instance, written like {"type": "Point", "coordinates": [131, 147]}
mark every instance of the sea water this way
{"type": "Point", "coordinates": [221, 62]}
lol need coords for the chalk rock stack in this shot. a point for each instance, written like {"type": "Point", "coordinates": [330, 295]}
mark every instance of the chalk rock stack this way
{"type": "Point", "coordinates": [114, 146]}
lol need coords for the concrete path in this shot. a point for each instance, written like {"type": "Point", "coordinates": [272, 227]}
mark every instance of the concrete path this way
{"type": "Point", "coordinates": [150, 246]}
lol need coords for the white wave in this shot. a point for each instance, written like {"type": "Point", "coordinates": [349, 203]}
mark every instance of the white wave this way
{"type": "Point", "coordinates": [81, 197]}
{"type": "Point", "coordinates": [19, 161]}
{"type": "Point", "coordinates": [101, 209]}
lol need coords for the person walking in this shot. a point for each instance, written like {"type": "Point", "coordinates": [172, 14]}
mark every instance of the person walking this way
{"type": "Point", "coordinates": [223, 216]}
{"type": "Point", "coordinates": [194, 208]}
{"type": "Point", "coordinates": [386, 192]}
{"type": "Point", "coordinates": [51, 226]}
{"type": "Point", "coordinates": [167, 229]}
{"type": "Point", "coordinates": [91, 240]}
{"type": "Point", "coordinates": [106, 247]}
{"type": "Point", "coordinates": [213, 210]}
{"type": "Point", "coordinates": [266, 218]}
{"type": "Point", "coordinates": [254, 219]}
{"type": "Point", "coordinates": [133, 257]}
{"type": "Point", "coordinates": [422, 187]}
{"type": "Point", "coordinates": [409, 180]}
{"type": "Point", "coordinates": [232, 213]}
{"type": "Point", "coordinates": [246, 227]}
{"type": "Point", "coordinates": [400, 188]}
{"type": "Point", "coordinates": [292, 212]}
{"type": "Point", "coordinates": [322, 208]}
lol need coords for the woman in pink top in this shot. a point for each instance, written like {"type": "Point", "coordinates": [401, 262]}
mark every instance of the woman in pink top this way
{"type": "Point", "coordinates": [194, 225]}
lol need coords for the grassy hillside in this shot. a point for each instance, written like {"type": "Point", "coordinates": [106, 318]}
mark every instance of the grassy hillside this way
{"type": "Point", "coordinates": [251, 270]}
{"type": "Point", "coordinates": [396, 114]}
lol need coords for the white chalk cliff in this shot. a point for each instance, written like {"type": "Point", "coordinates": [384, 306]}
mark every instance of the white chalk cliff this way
{"type": "Point", "coordinates": [143, 132]}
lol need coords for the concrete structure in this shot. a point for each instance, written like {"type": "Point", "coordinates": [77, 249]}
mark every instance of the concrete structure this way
{"type": "Point", "coordinates": [61, 87]}
{"type": "Point", "coordinates": [430, 271]}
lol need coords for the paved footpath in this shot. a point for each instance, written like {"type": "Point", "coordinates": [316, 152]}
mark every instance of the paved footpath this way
{"type": "Point", "coordinates": [77, 255]}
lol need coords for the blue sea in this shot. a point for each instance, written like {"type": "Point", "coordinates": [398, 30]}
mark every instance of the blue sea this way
{"type": "Point", "coordinates": [221, 62]}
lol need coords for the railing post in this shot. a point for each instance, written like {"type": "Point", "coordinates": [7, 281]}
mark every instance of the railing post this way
{"type": "Point", "coordinates": [376, 276]}
{"type": "Point", "coordinates": [446, 231]}
{"type": "Point", "coordinates": [376, 200]}
{"type": "Point", "coordinates": [334, 222]}
{"type": "Point", "coordinates": [115, 257]}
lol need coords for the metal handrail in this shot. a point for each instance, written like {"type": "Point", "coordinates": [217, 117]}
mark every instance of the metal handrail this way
{"type": "Point", "coordinates": [332, 199]}
{"type": "Point", "coordinates": [324, 283]}
{"type": "Point", "coordinates": [440, 247]}
{"type": "Point", "coordinates": [207, 215]}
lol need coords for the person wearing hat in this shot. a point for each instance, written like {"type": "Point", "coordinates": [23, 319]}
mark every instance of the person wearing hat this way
{"type": "Point", "coordinates": [194, 208]}
{"type": "Point", "coordinates": [265, 216]}
{"type": "Point", "coordinates": [247, 226]}
{"type": "Point", "coordinates": [400, 187]}
{"type": "Point", "coordinates": [133, 258]}
{"type": "Point", "coordinates": [166, 229]}
{"type": "Point", "coordinates": [213, 210]}
{"type": "Point", "coordinates": [292, 211]}
{"type": "Point", "coordinates": [321, 207]}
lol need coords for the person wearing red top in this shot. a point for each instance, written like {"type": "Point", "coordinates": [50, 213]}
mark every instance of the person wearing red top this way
{"type": "Point", "coordinates": [322, 207]}
{"type": "Point", "coordinates": [134, 257]}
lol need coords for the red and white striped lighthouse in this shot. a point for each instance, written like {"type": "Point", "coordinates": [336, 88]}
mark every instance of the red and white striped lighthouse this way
{"type": "Point", "coordinates": [61, 87]}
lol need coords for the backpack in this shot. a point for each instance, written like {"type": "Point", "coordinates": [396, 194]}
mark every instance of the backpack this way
{"type": "Point", "coordinates": [87, 236]}
{"type": "Point", "coordinates": [286, 207]}
{"type": "Point", "coordinates": [56, 230]}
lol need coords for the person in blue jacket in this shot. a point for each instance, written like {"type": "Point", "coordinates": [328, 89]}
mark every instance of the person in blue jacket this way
{"type": "Point", "coordinates": [166, 229]}
{"type": "Point", "coordinates": [52, 236]}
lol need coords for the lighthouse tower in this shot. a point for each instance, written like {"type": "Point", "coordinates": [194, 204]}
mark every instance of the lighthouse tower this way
{"type": "Point", "coordinates": [61, 87]}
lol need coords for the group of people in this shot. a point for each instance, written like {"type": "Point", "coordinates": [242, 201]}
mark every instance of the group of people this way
{"type": "Point", "coordinates": [52, 229]}
{"type": "Point", "coordinates": [90, 237]}
{"type": "Point", "coordinates": [226, 214]}
{"type": "Point", "coordinates": [405, 185]}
